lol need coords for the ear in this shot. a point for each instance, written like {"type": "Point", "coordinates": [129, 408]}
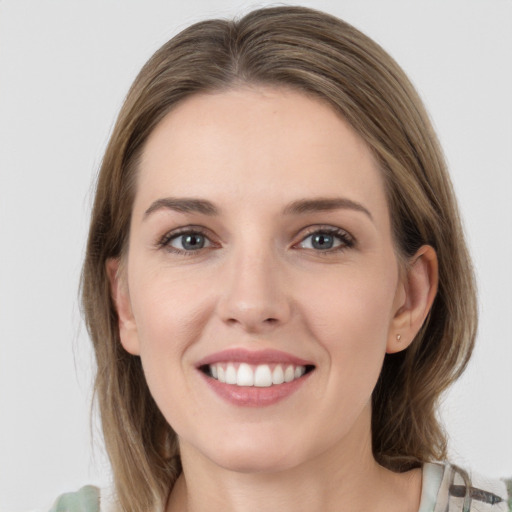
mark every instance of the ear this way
{"type": "Point", "coordinates": [121, 297]}
{"type": "Point", "coordinates": [415, 297]}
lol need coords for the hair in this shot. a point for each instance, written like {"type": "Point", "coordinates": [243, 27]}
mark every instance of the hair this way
{"type": "Point", "coordinates": [324, 57]}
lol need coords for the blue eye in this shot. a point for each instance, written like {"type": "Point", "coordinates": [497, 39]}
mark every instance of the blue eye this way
{"type": "Point", "coordinates": [327, 240]}
{"type": "Point", "coordinates": [188, 242]}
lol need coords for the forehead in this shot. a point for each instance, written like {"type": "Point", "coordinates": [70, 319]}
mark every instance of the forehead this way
{"type": "Point", "coordinates": [269, 144]}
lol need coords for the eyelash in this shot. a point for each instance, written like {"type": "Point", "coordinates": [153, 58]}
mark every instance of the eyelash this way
{"type": "Point", "coordinates": [347, 241]}
{"type": "Point", "coordinates": [165, 241]}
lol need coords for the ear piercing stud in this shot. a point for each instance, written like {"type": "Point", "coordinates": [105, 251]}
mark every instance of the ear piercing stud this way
{"type": "Point", "coordinates": [398, 337]}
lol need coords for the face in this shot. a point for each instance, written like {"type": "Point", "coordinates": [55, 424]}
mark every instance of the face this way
{"type": "Point", "coordinates": [261, 287]}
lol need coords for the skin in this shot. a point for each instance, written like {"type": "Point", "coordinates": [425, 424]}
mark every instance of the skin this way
{"type": "Point", "coordinates": [259, 283]}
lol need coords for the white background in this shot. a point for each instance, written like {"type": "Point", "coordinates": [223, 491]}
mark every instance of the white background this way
{"type": "Point", "coordinates": [65, 67]}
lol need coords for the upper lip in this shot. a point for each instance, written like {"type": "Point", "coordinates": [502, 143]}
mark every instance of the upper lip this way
{"type": "Point", "coordinates": [266, 356]}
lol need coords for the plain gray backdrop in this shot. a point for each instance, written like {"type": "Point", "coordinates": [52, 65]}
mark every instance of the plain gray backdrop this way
{"type": "Point", "coordinates": [65, 67]}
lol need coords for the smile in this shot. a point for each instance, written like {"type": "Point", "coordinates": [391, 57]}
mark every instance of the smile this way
{"type": "Point", "coordinates": [261, 375]}
{"type": "Point", "coordinates": [251, 378]}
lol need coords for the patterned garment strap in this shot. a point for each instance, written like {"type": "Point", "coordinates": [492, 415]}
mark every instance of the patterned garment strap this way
{"type": "Point", "coordinates": [473, 497]}
{"type": "Point", "coordinates": [459, 491]}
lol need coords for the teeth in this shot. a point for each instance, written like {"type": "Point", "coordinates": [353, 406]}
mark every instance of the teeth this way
{"type": "Point", "coordinates": [299, 371]}
{"type": "Point", "coordinates": [230, 374]}
{"type": "Point", "coordinates": [278, 375]}
{"type": "Point", "coordinates": [261, 376]}
{"type": "Point", "coordinates": [245, 376]}
{"type": "Point", "coordinates": [289, 374]}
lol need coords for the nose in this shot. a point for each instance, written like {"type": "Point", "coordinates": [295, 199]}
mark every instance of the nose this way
{"type": "Point", "coordinates": [253, 294]}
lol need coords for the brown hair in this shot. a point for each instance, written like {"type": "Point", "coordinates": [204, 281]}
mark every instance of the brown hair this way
{"type": "Point", "coordinates": [320, 55]}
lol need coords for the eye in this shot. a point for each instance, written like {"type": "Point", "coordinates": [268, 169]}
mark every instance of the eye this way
{"type": "Point", "coordinates": [185, 242]}
{"type": "Point", "coordinates": [189, 242]}
{"type": "Point", "coordinates": [328, 239]}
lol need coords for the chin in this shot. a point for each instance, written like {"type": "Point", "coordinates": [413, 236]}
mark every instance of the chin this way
{"type": "Point", "coordinates": [250, 456]}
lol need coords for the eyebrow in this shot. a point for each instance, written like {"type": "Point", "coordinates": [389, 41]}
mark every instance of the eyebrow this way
{"type": "Point", "coordinates": [183, 205]}
{"type": "Point", "coordinates": [301, 206]}
{"type": "Point", "coordinates": [323, 204]}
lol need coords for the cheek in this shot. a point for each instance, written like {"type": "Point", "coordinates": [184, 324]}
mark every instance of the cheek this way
{"type": "Point", "coordinates": [167, 306]}
{"type": "Point", "coordinates": [170, 313]}
{"type": "Point", "coordinates": [350, 302]}
{"type": "Point", "coordinates": [349, 313]}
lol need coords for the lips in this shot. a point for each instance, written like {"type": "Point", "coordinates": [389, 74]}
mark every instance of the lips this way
{"type": "Point", "coordinates": [254, 378]}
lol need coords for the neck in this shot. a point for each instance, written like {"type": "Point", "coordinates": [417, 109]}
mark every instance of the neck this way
{"type": "Point", "coordinates": [344, 478]}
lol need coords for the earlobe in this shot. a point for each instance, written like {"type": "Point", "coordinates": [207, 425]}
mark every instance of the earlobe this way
{"type": "Point", "coordinates": [419, 289]}
{"type": "Point", "coordinates": [121, 297]}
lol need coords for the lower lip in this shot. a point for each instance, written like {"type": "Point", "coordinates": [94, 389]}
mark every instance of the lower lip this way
{"type": "Point", "coordinates": [252, 396]}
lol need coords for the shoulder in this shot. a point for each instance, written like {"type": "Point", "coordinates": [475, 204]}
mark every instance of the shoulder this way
{"type": "Point", "coordinates": [461, 490]}
{"type": "Point", "coordinates": [87, 499]}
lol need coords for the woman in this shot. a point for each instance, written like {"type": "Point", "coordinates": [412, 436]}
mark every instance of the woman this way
{"type": "Point", "coordinates": [276, 281]}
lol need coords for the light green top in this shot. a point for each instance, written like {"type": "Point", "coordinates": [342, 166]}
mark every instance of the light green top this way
{"type": "Point", "coordinates": [87, 499]}
{"type": "Point", "coordinates": [444, 489]}
{"type": "Point", "coordinates": [431, 482]}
